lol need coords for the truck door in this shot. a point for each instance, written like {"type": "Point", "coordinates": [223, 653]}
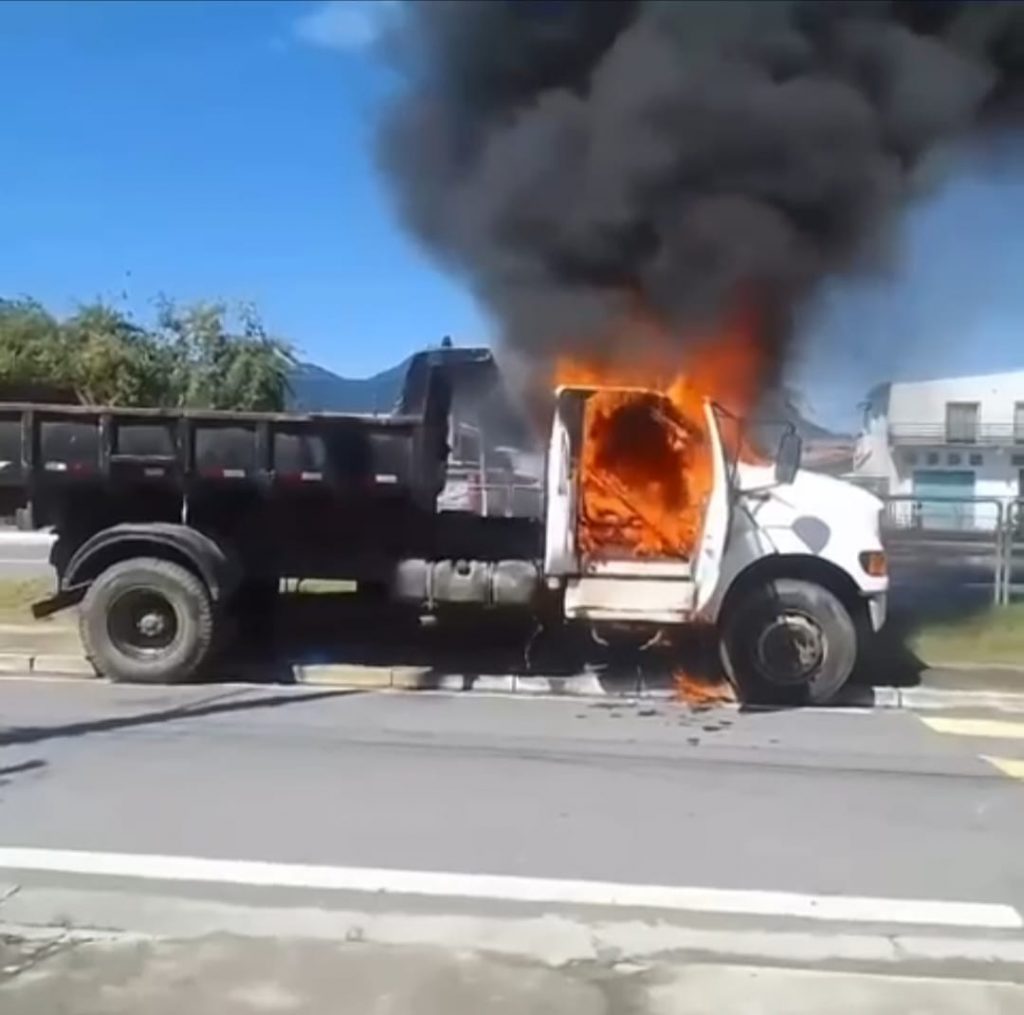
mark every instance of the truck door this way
{"type": "Point", "coordinates": [560, 555]}
{"type": "Point", "coordinates": [711, 548]}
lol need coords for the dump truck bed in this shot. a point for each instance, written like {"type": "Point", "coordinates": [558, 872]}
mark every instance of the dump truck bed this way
{"type": "Point", "coordinates": [50, 453]}
{"type": "Point", "coordinates": [331, 495]}
{"type": "Point", "coordinates": [44, 446]}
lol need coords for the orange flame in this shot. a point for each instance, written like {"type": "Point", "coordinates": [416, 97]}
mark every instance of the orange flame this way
{"type": "Point", "coordinates": [646, 469]}
{"type": "Point", "coordinates": [702, 692]}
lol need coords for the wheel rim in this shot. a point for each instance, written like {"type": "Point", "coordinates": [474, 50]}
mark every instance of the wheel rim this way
{"type": "Point", "coordinates": [142, 623]}
{"type": "Point", "coordinates": [790, 649]}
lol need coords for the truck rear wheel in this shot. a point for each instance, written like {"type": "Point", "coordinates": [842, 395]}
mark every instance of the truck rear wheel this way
{"type": "Point", "coordinates": [147, 620]}
{"type": "Point", "coordinates": [789, 641]}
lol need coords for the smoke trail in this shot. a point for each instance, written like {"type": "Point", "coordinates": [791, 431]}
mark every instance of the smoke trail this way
{"type": "Point", "coordinates": [576, 160]}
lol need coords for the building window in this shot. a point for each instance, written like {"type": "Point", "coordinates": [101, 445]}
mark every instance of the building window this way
{"type": "Point", "coordinates": [1017, 460]}
{"type": "Point", "coordinates": [933, 458]}
{"type": "Point", "coordinates": [1018, 423]}
{"type": "Point", "coordinates": [954, 459]}
{"type": "Point", "coordinates": [910, 457]}
{"type": "Point", "coordinates": [962, 422]}
{"type": "Point", "coordinates": [977, 459]}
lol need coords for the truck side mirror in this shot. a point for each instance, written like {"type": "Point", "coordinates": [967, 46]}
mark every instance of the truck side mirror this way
{"type": "Point", "coordinates": [787, 461]}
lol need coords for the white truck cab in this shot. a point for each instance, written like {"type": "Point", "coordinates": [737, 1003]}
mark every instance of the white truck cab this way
{"type": "Point", "coordinates": [789, 565]}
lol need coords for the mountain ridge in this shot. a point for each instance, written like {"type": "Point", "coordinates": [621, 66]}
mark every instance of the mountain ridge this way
{"type": "Point", "coordinates": [317, 389]}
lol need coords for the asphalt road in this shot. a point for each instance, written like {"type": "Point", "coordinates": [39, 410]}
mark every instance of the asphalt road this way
{"type": "Point", "coordinates": [453, 852]}
{"type": "Point", "coordinates": [870, 804]}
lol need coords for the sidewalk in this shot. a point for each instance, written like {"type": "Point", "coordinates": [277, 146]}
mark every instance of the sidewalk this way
{"type": "Point", "coordinates": [50, 647]}
{"type": "Point", "coordinates": [40, 638]}
{"type": "Point", "coordinates": [230, 975]}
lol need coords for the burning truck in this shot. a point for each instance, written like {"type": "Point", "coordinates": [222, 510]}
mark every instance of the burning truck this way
{"type": "Point", "coordinates": [615, 183]}
{"type": "Point", "coordinates": [661, 516]}
{"type": "Point", "coordinates": [656, 519]}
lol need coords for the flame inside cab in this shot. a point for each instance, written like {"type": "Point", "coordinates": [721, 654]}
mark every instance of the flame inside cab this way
{"type": "Point", "coordinates": [645, 476]}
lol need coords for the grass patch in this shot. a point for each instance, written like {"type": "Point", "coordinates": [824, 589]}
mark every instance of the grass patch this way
{"type": "Point", "coordinates": [17, 596]}
{"type": "Point", "coordinates": [993, 636]}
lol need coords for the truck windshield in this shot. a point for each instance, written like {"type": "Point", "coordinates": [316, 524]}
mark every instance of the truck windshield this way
{"type": "Point", "coordinates": [751, 440]}
{"type": "Point", "coordinates": [736, 444]}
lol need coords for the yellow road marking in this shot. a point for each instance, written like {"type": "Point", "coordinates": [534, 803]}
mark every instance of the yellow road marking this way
{"type": "Point", "coordinates": [976, 727]}
{"type": "Point", "coordinates": [1013, 767]}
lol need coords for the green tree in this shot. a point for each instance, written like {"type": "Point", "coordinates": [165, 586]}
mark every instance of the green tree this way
{"type": "Point", "coordinates": [31, 346]}
{"type": "Point", "coordinates": [198, 357]}
{"type": "Point", "coordinates": [113, 361]}
{"type": "Point", "coordinates": [218, 368]}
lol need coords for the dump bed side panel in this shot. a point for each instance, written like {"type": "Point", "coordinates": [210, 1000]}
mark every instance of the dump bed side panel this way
{"type": "Point", "coordinates": [40, 444]}
{"type": "Point", "coordinates": [82, 468]}
{"type": "Point", "coordinates": [12, 471]}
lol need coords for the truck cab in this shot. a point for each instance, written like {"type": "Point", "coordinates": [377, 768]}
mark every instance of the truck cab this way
{"type": "Point", "coordinates": [787, 565]}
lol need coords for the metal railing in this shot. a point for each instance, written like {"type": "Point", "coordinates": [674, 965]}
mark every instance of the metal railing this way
{"type": "Point", "coordinates": [1013, 550]}
{"type": "Point", "coordinates": [911, 513]}
{"type": "Point", "coordinates": [494, 500]}
{"type": "Point", "coordinates": [967, 540]}
{"type": "Point", "coordinates": [957, 433]}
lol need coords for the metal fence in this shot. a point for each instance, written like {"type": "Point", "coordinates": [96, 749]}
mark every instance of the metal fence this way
{"type": "Point", "coordinates": [959, 432]}
{"type": "Point", "coordinates": [972, 546]}
{"type": "Point", "coordinates": [511, 500]}
{"type": "Point", "coordinates": [1013, 553]}
{"type": "Point", "coordinates": [495, 500]}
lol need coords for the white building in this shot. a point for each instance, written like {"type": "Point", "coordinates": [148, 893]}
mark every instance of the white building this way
{"type": "Point", "coordinates": [944, 443]}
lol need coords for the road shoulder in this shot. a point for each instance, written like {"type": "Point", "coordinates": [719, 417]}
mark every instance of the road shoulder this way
{"type": "Point", "coordinates": [79, 950]}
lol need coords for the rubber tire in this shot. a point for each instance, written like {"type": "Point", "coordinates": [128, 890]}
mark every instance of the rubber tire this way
{"type": "Point", "coordinates": [738, 634]}
{"type": "Point", "coordinates": [188, 594]}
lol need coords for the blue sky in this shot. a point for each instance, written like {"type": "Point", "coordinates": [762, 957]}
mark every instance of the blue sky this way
{"type": "Point", "coordinates": [212, 150]}
{"type": "Point", "coordinates": [949, 299]}
{"type": "Point", "coordinates": [224, 150]}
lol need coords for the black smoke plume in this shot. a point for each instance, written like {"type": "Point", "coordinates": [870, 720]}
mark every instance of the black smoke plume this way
{"type": "Point", "coordinates": [576, 160]}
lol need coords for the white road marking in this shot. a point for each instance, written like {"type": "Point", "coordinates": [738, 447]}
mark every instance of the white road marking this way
{"type": "Point", "coordinates": [999, 728]}
{"type": "Point", "coordinates": [438, 884]}
{"type": "Point", "coordinates": [1013, 767]}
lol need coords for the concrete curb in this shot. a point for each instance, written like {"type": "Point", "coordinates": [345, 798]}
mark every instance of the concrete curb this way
{"type": "Point", "coordinates": [582, 685]}
{"type": "Point", "coordinates": [63, 664]}
{"type": "Point", "coordinates": [68, 914]}
{"type": "Point", "coordinates": [18, 664]}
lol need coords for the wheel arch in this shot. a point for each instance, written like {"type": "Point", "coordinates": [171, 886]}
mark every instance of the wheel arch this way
{"type": "Point", "coordinates": [192, 549]}
{"type": "Point", "coordinates": [801, 567]}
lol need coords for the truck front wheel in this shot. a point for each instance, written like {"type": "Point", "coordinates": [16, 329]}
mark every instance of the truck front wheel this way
{"type": "Point", "coordinates": [789, 641]}
{"type": "Point", "coordinates": [147, 620]}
